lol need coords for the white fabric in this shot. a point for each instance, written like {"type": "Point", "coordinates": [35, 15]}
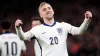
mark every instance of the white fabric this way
{"type": "Point", "coordinates": [53, 39]}
{"type": "Point", "coordinates": [37, 48]}
{"type": "Point", "coordinates": [11, 43]}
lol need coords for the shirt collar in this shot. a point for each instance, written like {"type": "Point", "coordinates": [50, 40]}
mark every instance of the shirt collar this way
{"type": "Point", "coordinates": [49, 25]}
{"type": "Point", "coordinates": [7, 32]}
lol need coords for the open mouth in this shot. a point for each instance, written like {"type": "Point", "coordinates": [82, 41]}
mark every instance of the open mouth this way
{"type": "Point", "coordinates": [49, 14]}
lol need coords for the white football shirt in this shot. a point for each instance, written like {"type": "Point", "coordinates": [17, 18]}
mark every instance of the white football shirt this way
{"type": "Point", "coordinates": [37, 48]}
{"type": "Point", "coordinates": [52, 39]}
{"type": "Point", "coordinates": [11, 45]}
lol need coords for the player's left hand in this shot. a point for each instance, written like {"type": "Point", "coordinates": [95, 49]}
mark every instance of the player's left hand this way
{"type": "Point", "coordinates": [88, 15]}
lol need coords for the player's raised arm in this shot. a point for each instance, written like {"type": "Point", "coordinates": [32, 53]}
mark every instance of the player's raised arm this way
{"type": "Point", "coordinates": [19, 31]}
{"type": "Point", "coordinates": [80, 30]}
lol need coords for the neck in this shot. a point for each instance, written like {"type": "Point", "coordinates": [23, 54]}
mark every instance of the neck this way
{"type": "Point", "coordinates": [6, 31]}
{"type": "Point", "coordinates": [49, 21]}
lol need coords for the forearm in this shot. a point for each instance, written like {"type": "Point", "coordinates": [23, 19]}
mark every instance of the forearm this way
{"type": "Point", "coordinates": [24, 35]}
{"type": "Point", "coordinates": [81, 29]}
{"type": "Point", "coordinates": [19, 32]}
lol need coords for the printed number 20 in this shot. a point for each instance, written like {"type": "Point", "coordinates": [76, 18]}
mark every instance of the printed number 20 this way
{"type": "Point", "coordinates": [53, 40]}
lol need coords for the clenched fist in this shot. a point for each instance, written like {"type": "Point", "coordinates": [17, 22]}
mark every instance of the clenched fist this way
{"type": "Point", "coordinates": [18, 23]}
{"type": "Point", "coordinates": [88, 15]}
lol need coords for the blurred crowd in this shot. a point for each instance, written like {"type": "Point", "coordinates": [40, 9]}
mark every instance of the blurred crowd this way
{"type": "Point", "coordinates": [87, 44]}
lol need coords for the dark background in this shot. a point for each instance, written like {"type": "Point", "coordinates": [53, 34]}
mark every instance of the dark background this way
{"type": "Point", "coordinates": [70, 11]}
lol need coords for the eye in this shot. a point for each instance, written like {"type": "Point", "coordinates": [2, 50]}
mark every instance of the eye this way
{"type": "Point", "coordinates": [44, 9]}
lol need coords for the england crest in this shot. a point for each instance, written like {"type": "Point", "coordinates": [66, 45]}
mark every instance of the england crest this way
{"type": "Point", "coordinates": [59, 30]}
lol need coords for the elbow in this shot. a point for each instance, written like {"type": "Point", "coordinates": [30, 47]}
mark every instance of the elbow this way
{"type": "Point", "coordinates": [81, 32]}
{"type": "Point", "coordinates": [78, 32]}
{"type": "Point", "coordinates": [22, 38]}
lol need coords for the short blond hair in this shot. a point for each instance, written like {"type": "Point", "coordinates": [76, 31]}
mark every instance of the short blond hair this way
{"type": "Point", "coordinates": [43, 3]}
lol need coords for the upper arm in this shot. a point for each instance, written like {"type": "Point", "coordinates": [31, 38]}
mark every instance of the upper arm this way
{"type": "Point", "coordinates": [77, 30]}
{"type": "Point", "coordinates": [69, 28]}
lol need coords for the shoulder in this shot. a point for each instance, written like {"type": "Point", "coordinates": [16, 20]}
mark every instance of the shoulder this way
{"type": "Point", "coordinates": [63, 23]}
{"type": "Point", "coordinates": [66, 24]}
{"type": "Point", "coordinates": [1, 37]}
{"type": "Point", "coordinates": [13, 35]}
{"type": "Point", "coordinates": [36, 29]}
{"type": "Point", "coordinates": [10, 35]}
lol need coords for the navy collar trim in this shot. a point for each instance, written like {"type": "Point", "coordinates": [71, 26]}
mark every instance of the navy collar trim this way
{"type": "Point", "coordinates": [49, 25]}
{"type": "Point", "coordinates": [7, 32]}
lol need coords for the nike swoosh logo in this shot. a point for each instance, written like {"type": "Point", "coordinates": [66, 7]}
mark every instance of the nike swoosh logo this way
{"type": "Point", "coordinates": [43, 32]}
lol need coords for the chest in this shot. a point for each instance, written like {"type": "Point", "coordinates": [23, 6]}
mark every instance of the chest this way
{"type": "Point", "coordinates": [52, 35]}
{"type": "Point", "coordinates": [51, 31]}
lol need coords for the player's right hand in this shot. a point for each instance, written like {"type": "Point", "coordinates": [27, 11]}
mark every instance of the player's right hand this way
{"type": "Point", "coordinates": [18, 23]}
